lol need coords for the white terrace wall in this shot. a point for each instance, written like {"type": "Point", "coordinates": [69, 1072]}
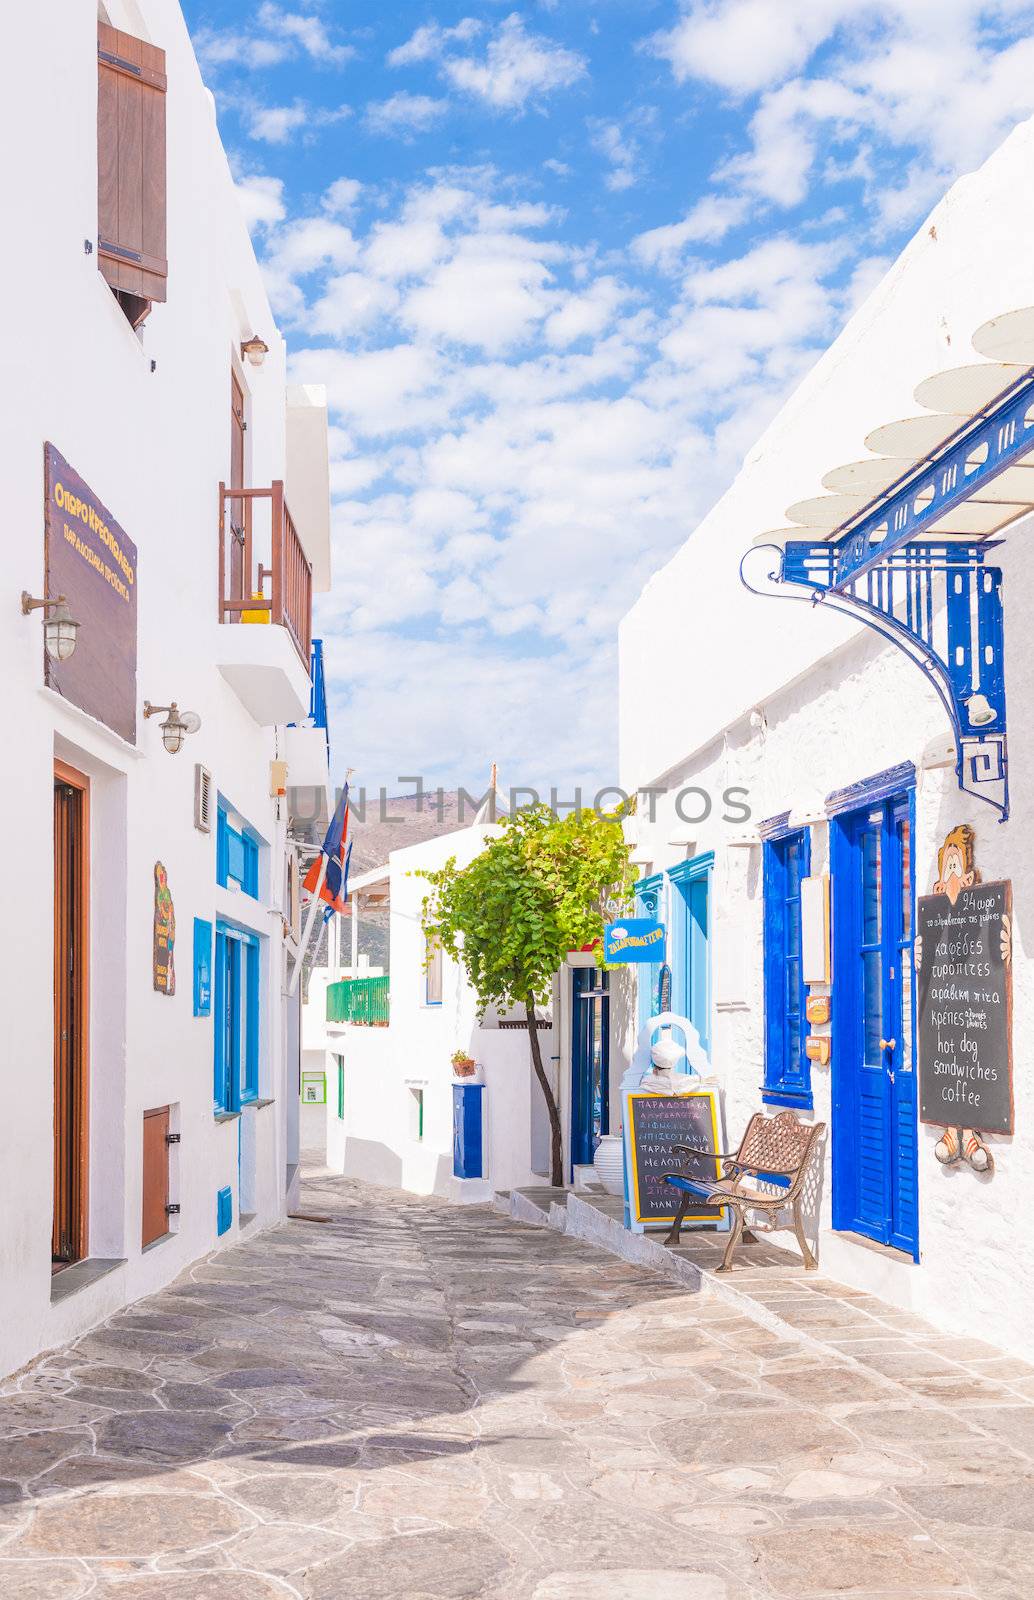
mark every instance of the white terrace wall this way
{"type": "Point", "coordinates": [839, 707]}
{"type": "Point", "coordinates": [145, 419]}
{"type": "Point", "coordinates": [695, 627]}
{"type": "Point", "coordinates": [375, 1139]}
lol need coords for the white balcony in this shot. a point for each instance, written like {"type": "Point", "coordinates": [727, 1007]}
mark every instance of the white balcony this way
{"type": "Point", "coordinates": [262, 666]}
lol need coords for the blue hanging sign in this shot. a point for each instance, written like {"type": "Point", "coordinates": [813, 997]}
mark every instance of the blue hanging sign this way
{"type": "Point", "coordinates": [636, 939]}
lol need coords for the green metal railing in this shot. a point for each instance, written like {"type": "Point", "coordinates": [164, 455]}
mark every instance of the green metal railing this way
{"type": "Point", "coordinates": [363, 1000]}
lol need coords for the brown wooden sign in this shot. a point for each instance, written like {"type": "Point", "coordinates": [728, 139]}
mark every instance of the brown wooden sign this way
{"type": "Point", "coordinates": [164, 933]}
{"type": "Point", "coordinates": [93, 564]}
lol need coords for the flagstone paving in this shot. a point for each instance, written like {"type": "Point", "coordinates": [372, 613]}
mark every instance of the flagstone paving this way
{"type": "Point", "coordinates": [413, 1402]}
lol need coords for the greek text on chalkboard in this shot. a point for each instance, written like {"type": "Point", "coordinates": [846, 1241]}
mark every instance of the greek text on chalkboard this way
{"type": "Point", "coordinates": [656, 1124]}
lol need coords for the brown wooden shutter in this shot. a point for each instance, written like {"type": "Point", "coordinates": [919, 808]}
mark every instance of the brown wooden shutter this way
{"type": "Point", "coordinates": [156, 1175]}
{"type": "Point", "coordinates": [131, 233]}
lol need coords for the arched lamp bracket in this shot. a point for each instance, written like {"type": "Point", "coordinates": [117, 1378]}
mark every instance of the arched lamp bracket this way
{"type": "Point", "coordinates": [941, 605]}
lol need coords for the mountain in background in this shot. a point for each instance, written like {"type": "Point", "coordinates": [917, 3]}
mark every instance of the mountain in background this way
{"type": "Point", "coordinates": [394, 824]}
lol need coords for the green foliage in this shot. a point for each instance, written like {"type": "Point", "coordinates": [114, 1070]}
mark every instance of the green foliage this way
{"type": "Point", "coordinates": [539, 889]}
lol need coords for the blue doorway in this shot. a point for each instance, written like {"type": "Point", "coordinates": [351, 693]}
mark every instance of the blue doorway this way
{"type": "Point", "coordinates": [590, 1062]}
{"type": "Point", "coordinates": [875, 1137]}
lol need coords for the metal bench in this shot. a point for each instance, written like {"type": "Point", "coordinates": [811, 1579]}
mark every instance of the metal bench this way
{"type": "Point", "coordinates": [772, 1149]}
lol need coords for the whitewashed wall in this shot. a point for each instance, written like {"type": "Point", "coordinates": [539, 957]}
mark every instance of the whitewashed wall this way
{"type": "Point", "coordinates": [153, 445]}
{"type": "Point", "coordinates": [839, 707]}
{"type": "Point", "coordinates": [374, 1141]}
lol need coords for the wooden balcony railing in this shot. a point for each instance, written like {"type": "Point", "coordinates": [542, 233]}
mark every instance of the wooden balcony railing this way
{"type": "Point", "coordinates": [242, 583]}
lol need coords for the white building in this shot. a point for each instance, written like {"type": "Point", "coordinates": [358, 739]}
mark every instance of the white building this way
{"type": "Point", "coordinates": [131, 293]}
{"type": "Point", "coordinates": [393, 1109]}
{"type": "Point", "coordinates": [842, 751]}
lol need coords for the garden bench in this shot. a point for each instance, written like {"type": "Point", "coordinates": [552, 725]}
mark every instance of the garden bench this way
{"type": "Point", "coordinates": [774, 1150]}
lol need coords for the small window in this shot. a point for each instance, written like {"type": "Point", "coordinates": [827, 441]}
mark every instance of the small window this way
{"type": "Point", "coordinates": [131, 181]}
{"type": "Point", "coordinates": [416, 1114]}
{"type": "Point", "coordinates": [341, 1088]}
{"type": "Point", "coordinates": [236, 858]}
{"type": "Point", "coordinates": [433, 972]}
{"type": "Point", "coordinates": [787, 1068]}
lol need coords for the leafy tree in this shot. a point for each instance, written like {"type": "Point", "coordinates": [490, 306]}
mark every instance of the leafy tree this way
{"type": "Point", "coordinates": [539, 889]}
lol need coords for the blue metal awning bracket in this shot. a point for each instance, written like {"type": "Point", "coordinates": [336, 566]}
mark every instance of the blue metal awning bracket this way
{"type": "Point", "coordinates": [941, 604]}
{"type": "Point", "coordinates": [966, 461]}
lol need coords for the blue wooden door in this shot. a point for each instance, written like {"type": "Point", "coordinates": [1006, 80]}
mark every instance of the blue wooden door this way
{"type": "Point", "coordinates": [590, 1062]}
{"type": "Point", "coordinates": [875, 1145]}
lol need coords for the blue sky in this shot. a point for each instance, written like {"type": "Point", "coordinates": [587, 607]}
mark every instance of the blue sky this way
{"type": "Point", "coordinates": [558, 265]}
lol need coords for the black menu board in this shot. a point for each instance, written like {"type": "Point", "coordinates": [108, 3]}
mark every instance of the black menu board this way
{"type": "Point", "coordinates": [964, 1017]}
{"type": "Point", "coordinates": [656, 1122]}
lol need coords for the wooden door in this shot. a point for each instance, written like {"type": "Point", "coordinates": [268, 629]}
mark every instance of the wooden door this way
{"type": "Point", "coordinates": [156, 1175]}
{"type": "Point", "coordinates": [71, 977]}
{"type": "Point", "coordinates": [239, 509]}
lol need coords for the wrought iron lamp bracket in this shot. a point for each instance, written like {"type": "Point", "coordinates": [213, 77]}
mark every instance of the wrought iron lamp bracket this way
{"type": "Point", "coordinates": [939, 603]}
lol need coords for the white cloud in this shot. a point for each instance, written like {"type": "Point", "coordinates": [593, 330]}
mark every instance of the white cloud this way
{"type": "Point", "coordinates": [707, 223]}
{"type": "Point", "coordinates": [405, 114]}
{"type": "Point", "coordinates": [429, 41]}
{"type": "Point", "coordinates": [349, 303]}
{"type": "Point", "coordinates": [744, 45]}
{"type": "Point", "coordinates": [276, 35]}
{"type": "Point", "coordinates": [516, 67]}
{"type": "Point", "coordinates": [309, 32]}
{"type": "Point", "coordinates": [619, 149]}
{"type": "Point", "coordinates": [340, 197]}
{"type": "Point", "coordinates": [261, 200]}
{"type": "Point", "coordinates": [933, 78]}
{"type": "Point", "coordinates": [275, 124]}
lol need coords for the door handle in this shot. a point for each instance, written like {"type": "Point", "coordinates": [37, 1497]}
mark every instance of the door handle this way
{"type": "Point", "coordinates": [888, 1044]}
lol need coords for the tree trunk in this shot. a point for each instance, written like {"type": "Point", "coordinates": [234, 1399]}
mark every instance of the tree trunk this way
{"type": "Point", "coordinates": [556, 1155]}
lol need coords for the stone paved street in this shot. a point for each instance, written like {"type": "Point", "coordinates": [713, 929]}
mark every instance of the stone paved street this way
{"type": "Point", "coordinates": [421, 1403]}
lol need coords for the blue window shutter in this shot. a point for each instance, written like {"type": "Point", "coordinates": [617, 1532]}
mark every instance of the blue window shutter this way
{"type": "Point", "coordinates": [249, 875]}
{"type": "Point", "coordinates": [202, 968]}
{"type": "Point", "coordinates": [787, 1069]}
{"type": "Point", "coordinates": [341, 1088]}
{"type": "Point", "coordinates": [250, 956]}
{"type": "Point", "coordinates": [223, 1210]}
{"type": "Point", "coordinates": [221, 860]}
{"type": "Point", "coordinates": [220, 1022]}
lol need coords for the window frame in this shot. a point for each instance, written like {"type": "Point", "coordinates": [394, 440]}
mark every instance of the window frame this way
{"type": "Point", "coordinates": [236, 1053]}
{"type": "Point", "coordinates": [689, 879]}
{"type": "Point", "coordinates": [434, 957]}
{"type": "Point", "coordinates": [236, 855]}
{"type": "Point", "coordinates": [786, 1082]}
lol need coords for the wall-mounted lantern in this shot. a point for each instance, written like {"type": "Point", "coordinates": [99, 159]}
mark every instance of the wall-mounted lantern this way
{"type": "Point", "coordinates": [59, 629]}
{"type": "Point", "coordinates": [176, 726]}
{"type": "Point", "coordinates": [254, 350]}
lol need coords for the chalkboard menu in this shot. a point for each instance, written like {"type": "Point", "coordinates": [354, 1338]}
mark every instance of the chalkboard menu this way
{"type": "Point", "coordinates": [655, 1123]}
{"type": "Point", "coordinates": [964, 983]}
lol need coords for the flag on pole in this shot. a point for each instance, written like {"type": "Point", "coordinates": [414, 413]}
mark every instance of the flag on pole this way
{"type": "Point", "coordinates": [327, 877]}
{"type": "Point", "coordinates": [326, 880]}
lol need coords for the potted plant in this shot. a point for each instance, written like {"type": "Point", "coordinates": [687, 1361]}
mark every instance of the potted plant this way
{"type": "Point", "coordinates": [463, 1065]}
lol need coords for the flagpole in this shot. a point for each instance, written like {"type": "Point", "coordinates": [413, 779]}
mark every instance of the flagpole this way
{"type": "Point", "coordinates": [307, 931]}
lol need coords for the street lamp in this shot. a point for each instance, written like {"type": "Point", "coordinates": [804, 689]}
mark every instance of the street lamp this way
{"type": "Point", "coordinates": [59, 629]}
{"type": "Point", "coordinates": [254, 350]}
{"type": "Point", "coordinates": [176, 726]}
